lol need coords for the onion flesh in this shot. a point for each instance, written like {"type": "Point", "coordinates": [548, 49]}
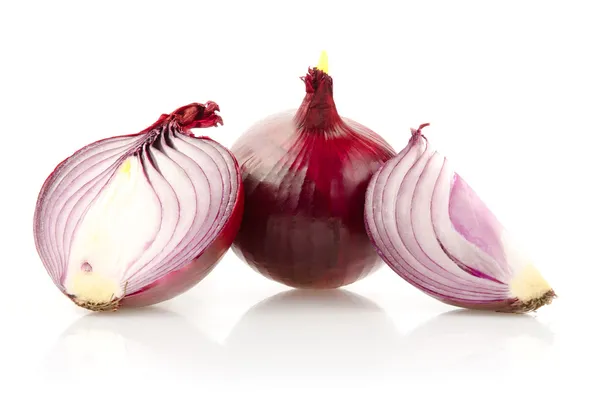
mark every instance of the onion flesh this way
{"type": "Point", "coordinates": [434, 231]}
{"type": "Point", "coordinates": [135, 220]}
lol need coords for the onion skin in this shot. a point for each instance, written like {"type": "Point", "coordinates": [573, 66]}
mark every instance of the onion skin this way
{"type": "Point", "coordinates": [305, 174]}
{"type": "Point", "coordinates": [193, 256]}
{"type": "Point", "coordinates": [434, 231]}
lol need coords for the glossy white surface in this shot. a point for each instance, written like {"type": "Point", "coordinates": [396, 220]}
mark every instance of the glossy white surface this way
{"type": "Point", "coordinates": [225, 337]}
{"type": "Point", "coordinates": [511, 92]}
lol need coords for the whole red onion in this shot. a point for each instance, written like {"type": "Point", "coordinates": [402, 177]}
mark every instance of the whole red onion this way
{"type": "Point", "coordinates": [305, 174]}
{"type": "Point", "coordinates": [138, 219]}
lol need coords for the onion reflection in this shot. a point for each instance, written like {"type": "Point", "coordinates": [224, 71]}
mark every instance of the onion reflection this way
{"type": "Point", "coordinates": [143, 342]}
{"type": "Point", "coordinates": [302, 333]}
{"type": "Point", "coordinates": [469, 342]}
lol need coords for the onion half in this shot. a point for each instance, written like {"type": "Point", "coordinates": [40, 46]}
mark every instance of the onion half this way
{"type": "Point", "coordinates": [305, 174]}
{"type": "Point", "coordinates": [434, 231]}
{"type": "Point", "coordinates": [137, 219]}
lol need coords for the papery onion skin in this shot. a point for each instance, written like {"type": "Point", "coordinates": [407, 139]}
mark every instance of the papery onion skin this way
{"type": "Point", "coordinates": [305, 174]}
{"type": "Point", "coordinates": [434, 231]}
{"type": "Point", "coordinates": [194, 251]}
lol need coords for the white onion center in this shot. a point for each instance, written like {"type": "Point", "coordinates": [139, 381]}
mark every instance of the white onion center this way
{"type": "Point", "coordinates": [115, 231]}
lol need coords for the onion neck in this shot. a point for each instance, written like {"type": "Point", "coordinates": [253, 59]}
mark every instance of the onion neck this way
{"type": "Point", "coordinates": [317, 111]}
{"type": "Point", "coordinates": [417, 133]}
{"type": "Point", "coordinates": [194, 115]}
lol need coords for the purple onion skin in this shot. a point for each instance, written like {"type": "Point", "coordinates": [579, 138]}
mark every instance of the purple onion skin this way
{"type": "Point", "coordinates": [305, 175]}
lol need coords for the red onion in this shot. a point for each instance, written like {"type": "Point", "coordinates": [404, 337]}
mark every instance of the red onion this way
{"type": "Point", "coordinates": [433, 230]}
{"type": "Point", "coordinates": [137, 219]}
{"type": "Point", "coordinates": [305, 174]}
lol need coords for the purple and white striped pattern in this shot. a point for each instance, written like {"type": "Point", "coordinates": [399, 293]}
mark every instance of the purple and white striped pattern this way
{"type": "Point", "coordinates": [434, 231]}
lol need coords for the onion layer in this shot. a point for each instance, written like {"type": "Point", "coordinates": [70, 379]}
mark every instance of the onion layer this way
{"type": "Point", "coordinates": [433, 230]}
{"type": "Point", "coordinates": [137, 219]}
{"type": "Point", "coordinates": [305, 174]}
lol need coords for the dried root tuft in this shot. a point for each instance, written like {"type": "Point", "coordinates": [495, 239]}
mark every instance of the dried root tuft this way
{"type": "Point", "coordinates": [533, 304]}
{"type": "Point", "coordinates": [110, 306]}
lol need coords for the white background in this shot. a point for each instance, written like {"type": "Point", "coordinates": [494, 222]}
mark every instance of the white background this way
{"type": "Point", "coordinates": [512, 92]}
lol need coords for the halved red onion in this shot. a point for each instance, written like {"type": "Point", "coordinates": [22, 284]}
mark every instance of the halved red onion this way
{"type": "Point", "coordinates": [137, 219]}
{"type": "Point", "coordinates": [433, 230]}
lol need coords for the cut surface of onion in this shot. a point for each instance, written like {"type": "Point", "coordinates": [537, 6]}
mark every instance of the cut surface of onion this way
{"type": "Point", "coordinates": [434, 231]}
{"type": "Point", "coordinates": [138, 219]}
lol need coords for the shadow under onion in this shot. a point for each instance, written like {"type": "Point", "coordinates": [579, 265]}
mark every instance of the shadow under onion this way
{"type": "Point", "coordinates": [303, 334]}
{"type": "Point", "coordinates": [307, 333]}
{"type": "Point", "coordinates": [476, 342]}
